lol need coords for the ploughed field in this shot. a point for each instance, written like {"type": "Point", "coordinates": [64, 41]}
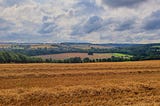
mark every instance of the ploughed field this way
{"type": "Point", "coordinates": [91, 84]}
{"type": "Point", "coordinates": [63, 56]}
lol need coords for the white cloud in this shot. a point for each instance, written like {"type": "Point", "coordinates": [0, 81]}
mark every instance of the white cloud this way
{"type": "Point", "coordinates": [72, 20]}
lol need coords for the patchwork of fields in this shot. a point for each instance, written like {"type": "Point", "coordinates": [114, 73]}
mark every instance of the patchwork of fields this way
{"type": "Point", "coordinates": [62, 56]}
{"type": "Point", "coordinates": [105, 84]}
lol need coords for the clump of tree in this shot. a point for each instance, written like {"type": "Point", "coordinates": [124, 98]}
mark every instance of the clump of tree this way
{"type": "Point", "coordinates": [69, 60]}
{"type": "Point", "coordinates": [11, 57]}
{"type": "Point", "coordinates": [88, 60]}
{"type": "Point", "coordinates": [90, 53]}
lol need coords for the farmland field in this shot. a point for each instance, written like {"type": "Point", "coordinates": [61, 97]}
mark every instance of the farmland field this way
{"type": "Point", "coordinates": [91, 84]}
{"type": "Point", "coordinates": [41, 46]}
{"type": "Point", "coordinates": [87, 47]}
{"type": "Point", "coordinates": [122, 55]}
{"type": "Point", "coordinates": [62, 56]}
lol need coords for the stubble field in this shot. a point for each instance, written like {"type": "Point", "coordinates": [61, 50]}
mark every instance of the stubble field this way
{"type": "Point", "coordinates": [91, 84]}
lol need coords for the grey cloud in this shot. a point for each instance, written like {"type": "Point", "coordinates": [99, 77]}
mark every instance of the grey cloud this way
{"type": "Point", "coordinates": [86, 7]}
{"type": "Point", "coordinates": [47, 28]}
{"type": "Point", "coordinates": [5, 25]}
{"type": "Point", "coordinates": [152, 22]}
{"type": "Point", "coordinates": [45, 18]}
{"type": "Point", "coordinates": [12, 2]}
{"type": "Point", "coordinates": [22, 37]}
{"type": "Point", "coordinates": [146, 37]}
{"type": "Point", "coordinates": [122, 3]}
{"type": "Point", "coordinates": [125, 25]}
{"type": "Point", "coordinates": [93, 24]}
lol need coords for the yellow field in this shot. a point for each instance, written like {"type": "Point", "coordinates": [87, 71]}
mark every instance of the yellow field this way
{"type": "Point", "coordinates": [93, 84]}
{"type": "Point", "coordinates": [41, 46]}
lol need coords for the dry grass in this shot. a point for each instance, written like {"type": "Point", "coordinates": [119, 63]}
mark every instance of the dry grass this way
{"type": "Point", "coordinates": [72, 55]}
{"type": "Point", "coordinates": [4, 46]}
{"type": "Point", "coordinates": [41, 46]}
{"type": "Point", "coordinates": [104, 84]}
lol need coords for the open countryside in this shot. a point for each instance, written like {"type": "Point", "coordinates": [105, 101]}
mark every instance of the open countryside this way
{"type": "Point", "coordinates": [80, 53]}
{"type": "Point", "coordinates": [62, 56]}
{"type": "Point", "coordinates": [88, 84]}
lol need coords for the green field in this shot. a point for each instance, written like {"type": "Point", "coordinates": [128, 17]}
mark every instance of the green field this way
{"type": "Point", "coordinates": [122, 55]}
{"type": "Point", "coordinates": [63, 56]}
{"type": "Point", "coordinates": [156, 46]}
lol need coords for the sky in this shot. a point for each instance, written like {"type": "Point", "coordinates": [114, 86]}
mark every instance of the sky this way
{"type": "Point", "coordinates": [94, 21]}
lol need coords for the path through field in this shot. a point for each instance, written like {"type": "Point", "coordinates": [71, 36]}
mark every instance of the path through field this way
{"type": "Point", "coordinates": [92, 84]}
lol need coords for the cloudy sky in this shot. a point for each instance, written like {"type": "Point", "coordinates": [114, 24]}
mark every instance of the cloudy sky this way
{"type": "Point", "coordinates": [96, 21]}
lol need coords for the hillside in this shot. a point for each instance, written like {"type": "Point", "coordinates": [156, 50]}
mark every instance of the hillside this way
{"type": "Point", "coordinates": [11, 57]}
{"type": "Point", "coordinates": [137, 51]}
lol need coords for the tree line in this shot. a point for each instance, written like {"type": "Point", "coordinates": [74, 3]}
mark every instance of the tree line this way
{"type": "Point", "coordinates": [11, 57]}
{"type": "Point", "coordinates": [88, 60]}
